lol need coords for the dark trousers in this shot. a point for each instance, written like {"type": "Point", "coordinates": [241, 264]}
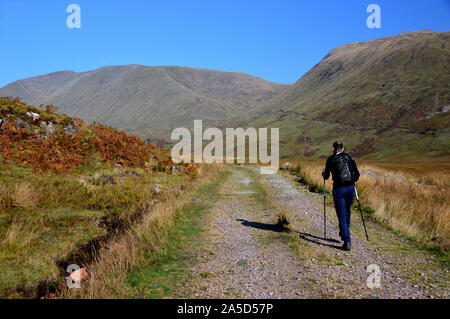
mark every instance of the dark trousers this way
{"type": "Point", "coordinates": [343, 200]}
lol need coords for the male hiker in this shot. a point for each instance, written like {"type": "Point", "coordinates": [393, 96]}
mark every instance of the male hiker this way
{"type": "Point", "coordinates": [345, 174]}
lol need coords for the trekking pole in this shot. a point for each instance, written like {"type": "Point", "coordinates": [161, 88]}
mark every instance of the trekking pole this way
{"type": "Point", "coordinates": [324, 211]}
{"type": "Point", "coordinates": [360, 210]}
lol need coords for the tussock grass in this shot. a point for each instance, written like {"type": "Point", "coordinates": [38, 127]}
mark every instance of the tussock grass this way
{"type": "Point", "coordinates": [19, 235]}
{"type": "Point", "coordinates": [25, 196]}
{"type": "Point", "coordinates": [412, 198]}
{"type": "Point", "coordinates": [283, 220]}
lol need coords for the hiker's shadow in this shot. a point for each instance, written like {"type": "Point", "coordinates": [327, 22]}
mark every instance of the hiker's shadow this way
{"type": "Point", "coordinates": [281, 229]}
{"type": "Point", "coordinates": [275, 228]}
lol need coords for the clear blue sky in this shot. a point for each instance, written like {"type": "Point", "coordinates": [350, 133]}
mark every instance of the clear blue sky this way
{"type": "Point", "coordinates": [278, 40]}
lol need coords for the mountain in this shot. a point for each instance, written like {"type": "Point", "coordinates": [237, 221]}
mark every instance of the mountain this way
{"type": "Point", "coordinates": [386, 98]}
{"type": "Point", "coordinates": [147, 101]}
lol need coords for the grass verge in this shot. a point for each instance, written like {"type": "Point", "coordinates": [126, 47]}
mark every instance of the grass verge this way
{"type": "Point", "coordinates": [149, 260]}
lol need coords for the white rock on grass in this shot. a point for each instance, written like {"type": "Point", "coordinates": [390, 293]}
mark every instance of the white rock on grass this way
{"type": "Point", "coordinates": [33, 116]}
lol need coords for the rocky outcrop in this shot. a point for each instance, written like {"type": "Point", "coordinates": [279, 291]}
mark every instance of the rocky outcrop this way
{"type": "Point", "coordinates": [22, 124]}
{"type": "Point", "coordinates": [49, 127]}
{"type": "Point", "coordinates": [70, 129]}
{"type": "Point", "coordinates": [106, 180]}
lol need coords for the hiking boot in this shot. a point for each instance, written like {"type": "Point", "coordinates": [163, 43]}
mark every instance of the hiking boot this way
{"type": "Point", "coordinates": [347, 246]}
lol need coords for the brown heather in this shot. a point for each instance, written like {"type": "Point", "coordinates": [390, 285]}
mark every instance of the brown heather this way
{"type": "Point", "coordinates": [64, 152]}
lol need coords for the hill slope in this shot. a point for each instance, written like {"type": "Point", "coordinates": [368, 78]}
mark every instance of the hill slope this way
{"type": "Point", "coordinates": [66, 188]}
{"type": "Point", "coordinates": [388, 96]}
{"type": "Point", "coordinates": [147, 101]}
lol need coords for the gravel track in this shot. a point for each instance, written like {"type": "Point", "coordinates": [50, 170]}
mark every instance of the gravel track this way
{"type": "Point", "coordinates": [244, 255]}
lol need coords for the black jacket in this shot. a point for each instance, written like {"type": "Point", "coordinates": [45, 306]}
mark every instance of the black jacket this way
{"type": "Point", "coordinates": [331, 167]}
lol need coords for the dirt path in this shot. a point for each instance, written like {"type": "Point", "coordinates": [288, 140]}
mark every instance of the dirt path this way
{"type": "Point", "coordinates": [244, 255]}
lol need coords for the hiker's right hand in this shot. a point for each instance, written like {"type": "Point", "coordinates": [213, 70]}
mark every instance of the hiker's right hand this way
{"type": "Point", "coordinates": [323, 174]}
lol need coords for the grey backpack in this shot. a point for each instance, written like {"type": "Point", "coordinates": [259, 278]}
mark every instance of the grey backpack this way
{"type": "Point", "coordinates": [343, 164]}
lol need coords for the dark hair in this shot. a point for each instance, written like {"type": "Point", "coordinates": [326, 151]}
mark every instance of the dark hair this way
{"type": "Point", "coordinates": [338, 146]}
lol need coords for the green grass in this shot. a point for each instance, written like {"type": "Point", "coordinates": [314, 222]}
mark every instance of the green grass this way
{"type": "Point", "coordinates": [163, 274]}
{"type": "Point", "coordinates": [44, 217]}
{"type": "Point", "coordinates": [167, 269]}
{"type": "Point", "coordinates": [261, 194]}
